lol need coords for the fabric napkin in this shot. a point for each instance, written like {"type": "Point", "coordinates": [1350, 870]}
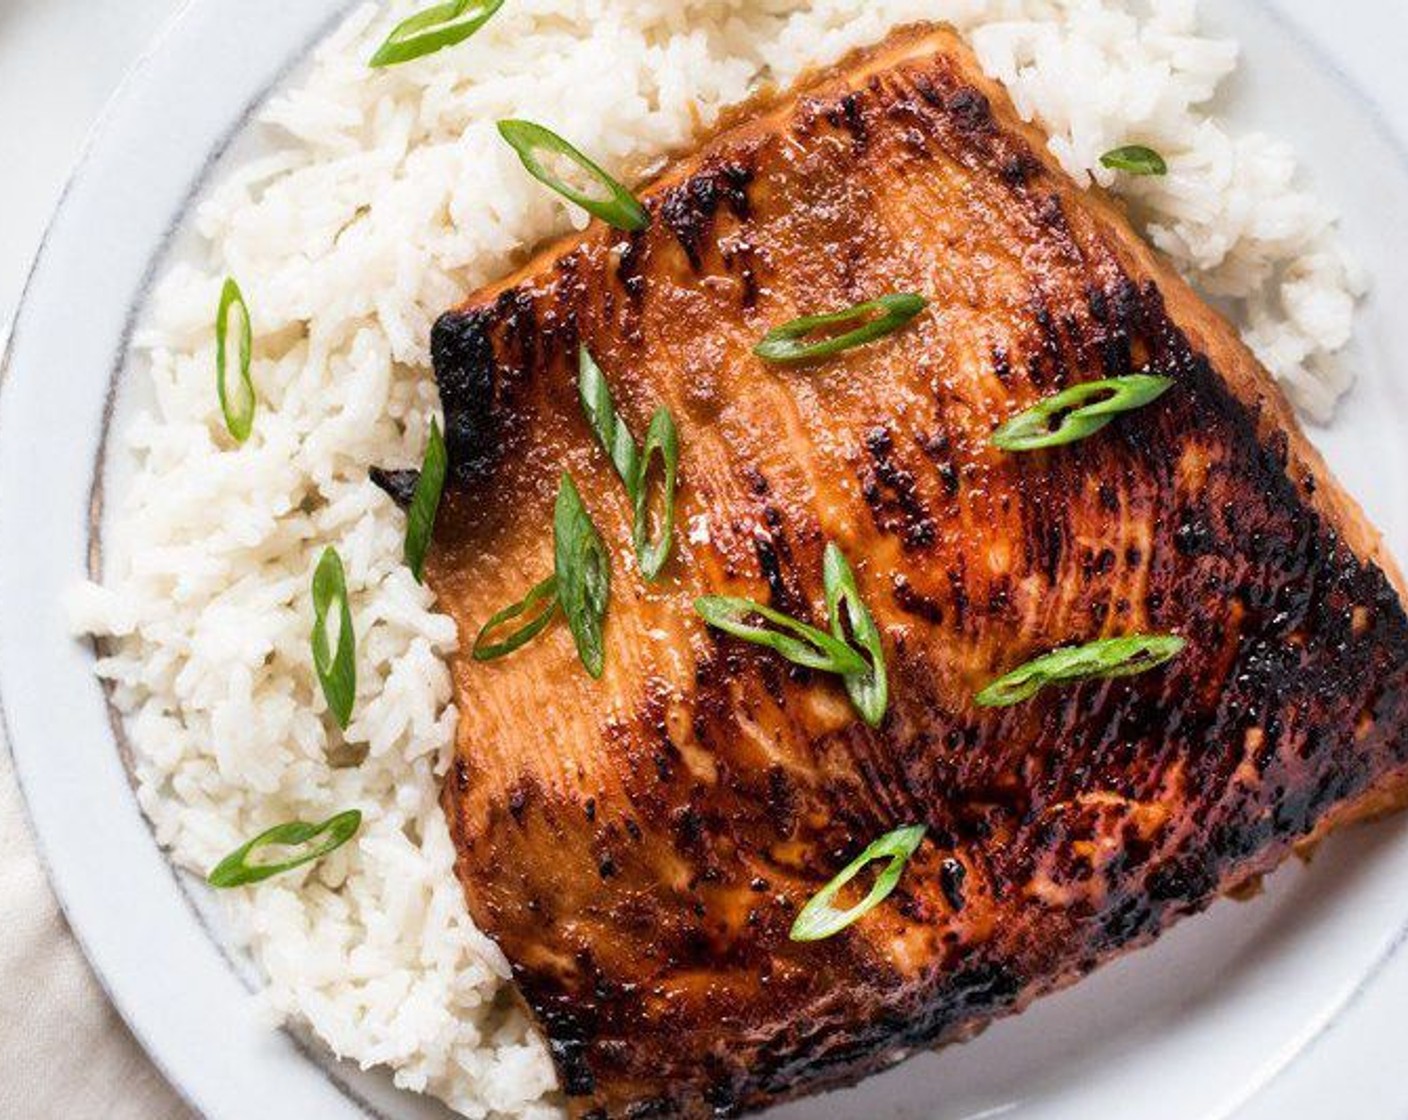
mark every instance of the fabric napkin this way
{"type": "Point", "coordinates": [64, 1052]}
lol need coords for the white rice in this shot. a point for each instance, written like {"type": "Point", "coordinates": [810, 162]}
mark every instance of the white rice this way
{"type": "Point", "coordinates": [385, 197]}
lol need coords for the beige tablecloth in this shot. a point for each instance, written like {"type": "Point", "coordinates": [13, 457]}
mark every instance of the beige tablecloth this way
{"type": "Point", "coordinates": [64, 1053]}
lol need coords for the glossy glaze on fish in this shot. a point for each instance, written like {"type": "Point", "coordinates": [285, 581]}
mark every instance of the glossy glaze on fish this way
{"type": "Point", "coordinates": [640, 845]}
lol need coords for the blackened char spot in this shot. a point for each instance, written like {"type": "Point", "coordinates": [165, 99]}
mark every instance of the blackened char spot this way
{"type": "Point", "coordinates": [1116, 356]}
{"type": "Point", "coordinates": [970, 110]}
{"type": "Point", "coordinates": [846, 114]}
{"type": "Point", "coordinates": [928, 90]}
{"type": "Point", "coordinates": [782, 801]}
{"type": "Point", "coordinates": [748, 278]}
{"type": "Point", "coordinates": [400, 486]}
{"type": "Point", "coordinates": [689, 210]}
{"type": "Point", "coordinates": [737, 179]}
{"type": "Point", "coordinates": [1020, 168]}
{"type": "Point", "coordinates": [1186, 880]}
{"type": "Point", "coordinates": [463, 355]}
{"type": "Point", "coordinates": [655, 1108]}
{"type": "Point", "coordinates": [1001, 363]}
{"type": "Point", "coordinates": [986, 987]}
{"type": "Point", "coordinates": [570, 1031]}
{"type": "Point", "coordinates": [629, 266]}
{"type": "Point", "coordinates": [952, 875]}
{"type": "Point", "coordinates": [939, 448]}
{"type": "Point", "coordinates": [912, 602]}
{"type": "Point", "coordinates": [769, 549]}
{"type": "Point", "coordinates": [892, 494]}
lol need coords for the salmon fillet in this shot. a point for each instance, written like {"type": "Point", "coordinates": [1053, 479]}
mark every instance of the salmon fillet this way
{"type": "Point", "coordinates": [639, 846]}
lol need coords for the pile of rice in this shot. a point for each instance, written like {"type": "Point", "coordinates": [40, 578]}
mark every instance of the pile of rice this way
{"type": "Point", "coordinates": [385, 197]}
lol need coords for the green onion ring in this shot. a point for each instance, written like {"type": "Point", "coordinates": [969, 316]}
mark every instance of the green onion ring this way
{"type": "Point", "coordinates": [434, 29]}
{"type": "Point", "coordinates": [1135, 159]}
{"type": "Point", "coordinates": [1112, 657]}
{"type": "Point", "coordinates": [337, 672]}
{"type": "Point", "coordinates": [786, 344]}
{"type": "Point", "coordinates": [869, 691]}
{"type": "Point", "coordinates": [633, 463]}
{"type": "Point", "coordinates": [662, 440]}
{"type": "Point", "coordinates": [425, 504]}
{"type": "Point", "coordinates": [235, 870]}
{"type": "Point", "coordinates": [606, 424]}
{"type": "Point", "coordinates": [238, 406]}
{"type": "Point", "coordinates": [619, 208]}
{"type": "Point", "coordinates": [1067, 417]}
{"type": "Point", "coordinates": [819, 920]}
{"type": "Point", "coordinates": [801, 644]}
{"type": "Point", "coordinates": [583, 571]}
{"type": "Point", "coordinates": [545, 592]}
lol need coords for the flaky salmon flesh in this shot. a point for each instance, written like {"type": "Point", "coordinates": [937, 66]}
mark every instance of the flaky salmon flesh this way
{"type": "Point", "coordinates": [640, 845]}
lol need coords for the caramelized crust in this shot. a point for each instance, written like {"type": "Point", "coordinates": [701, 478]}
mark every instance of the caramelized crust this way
{"type": "Point", "coordinates": [639, 846]}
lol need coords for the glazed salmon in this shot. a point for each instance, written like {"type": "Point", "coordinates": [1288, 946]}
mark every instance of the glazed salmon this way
{"type": "Point", "coordinates": [640, 845]}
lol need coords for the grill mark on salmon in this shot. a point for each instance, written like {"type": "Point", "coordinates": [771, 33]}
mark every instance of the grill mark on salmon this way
{"type": "Point", "coordinates": [640, 846]}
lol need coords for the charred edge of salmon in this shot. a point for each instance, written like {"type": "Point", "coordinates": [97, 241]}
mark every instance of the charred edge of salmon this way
{"type": "Point", "coordinates": [462, 353]}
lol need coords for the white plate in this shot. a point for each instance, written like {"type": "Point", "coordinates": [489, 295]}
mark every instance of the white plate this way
{"type": "Point", "coordinates": [1286, 1007]}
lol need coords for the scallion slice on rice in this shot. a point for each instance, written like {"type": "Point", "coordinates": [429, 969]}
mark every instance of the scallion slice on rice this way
{"type": "Point", "coordinates": [434, 29]}
{"type": "Point", "coordinates": [1135, 159]}
{"type": "Point", "coordinates": [337, 670]}
{"type": "Point", "coordinates": [238, 869]}
{"type": "Point", "coordinates": [425, 504]}
{"type": "Point", "coordinates": [605, 198]}
{"type": "Point", "coordinates": [237, 403]}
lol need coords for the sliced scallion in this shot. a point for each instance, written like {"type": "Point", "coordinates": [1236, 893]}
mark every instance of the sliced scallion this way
{"type": "Point", "coordinates": [237, 870]}
{"type": "Point", "coordinates": [545, 594]}
{"type": "Point", "coordinates": [610, 201]}
{"type": "Point", "coordinates": [852, 622]}
{"type": "Point", "coordinates": [874, 319]}
{"type": "Point", "coordinates": [434, 29]}
{"type": "Point", "coordinates": [633, 463]}
{"type": "Point", "coordinates": [1079, 412]}
{"type": "Point", "coordinates": [662, 440]}
{"type": "Point", "coordinates": [425, 503]}
{"type": "Point", "coordinates": [238, 404]}
{"type": "Point", "coordinates": [1112, 657]}
{"type": "Point", "coordinates": [819, 919]}
{"type": "Point", "coordinates": [337, 671]}
{"type": "Point", "coordinates": [1135, 159]}
{"type": "Point", "coordinates": [583, 572]}
{"type": "Point", "coordinates": [608, 427]}
{"type": "Point", "coordinates": [801, 644]}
